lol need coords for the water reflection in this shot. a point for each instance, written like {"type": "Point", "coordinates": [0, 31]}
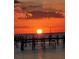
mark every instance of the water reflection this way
{"type": "Point", "coordinates": [41, 50]}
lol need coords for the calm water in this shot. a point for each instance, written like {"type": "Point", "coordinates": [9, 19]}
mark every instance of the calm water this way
{"type": "Point", "coordinates": [49, 52]}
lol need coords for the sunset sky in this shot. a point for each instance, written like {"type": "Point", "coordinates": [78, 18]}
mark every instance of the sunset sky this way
{"type": "Point", "coordinates": [25, 26]}
{"type": "Point", "coordinates": [45, 0]}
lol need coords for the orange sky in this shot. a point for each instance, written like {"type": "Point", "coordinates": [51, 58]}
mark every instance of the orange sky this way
{"type": "Point", "coordinates": [24, 26]}
{"type": "Point", "coordinates": [31, 25]}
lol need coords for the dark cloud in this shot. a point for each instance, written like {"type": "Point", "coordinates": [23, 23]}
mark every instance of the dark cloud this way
{"type": "Point", "coordinates": [16, 1]}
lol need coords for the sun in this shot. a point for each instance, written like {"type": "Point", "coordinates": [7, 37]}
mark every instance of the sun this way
{"type": "Point", "coordinates": [39, 31]}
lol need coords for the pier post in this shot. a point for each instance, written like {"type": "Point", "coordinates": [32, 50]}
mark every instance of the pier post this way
{"type": "Point", "coordinates": [22, 43]}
